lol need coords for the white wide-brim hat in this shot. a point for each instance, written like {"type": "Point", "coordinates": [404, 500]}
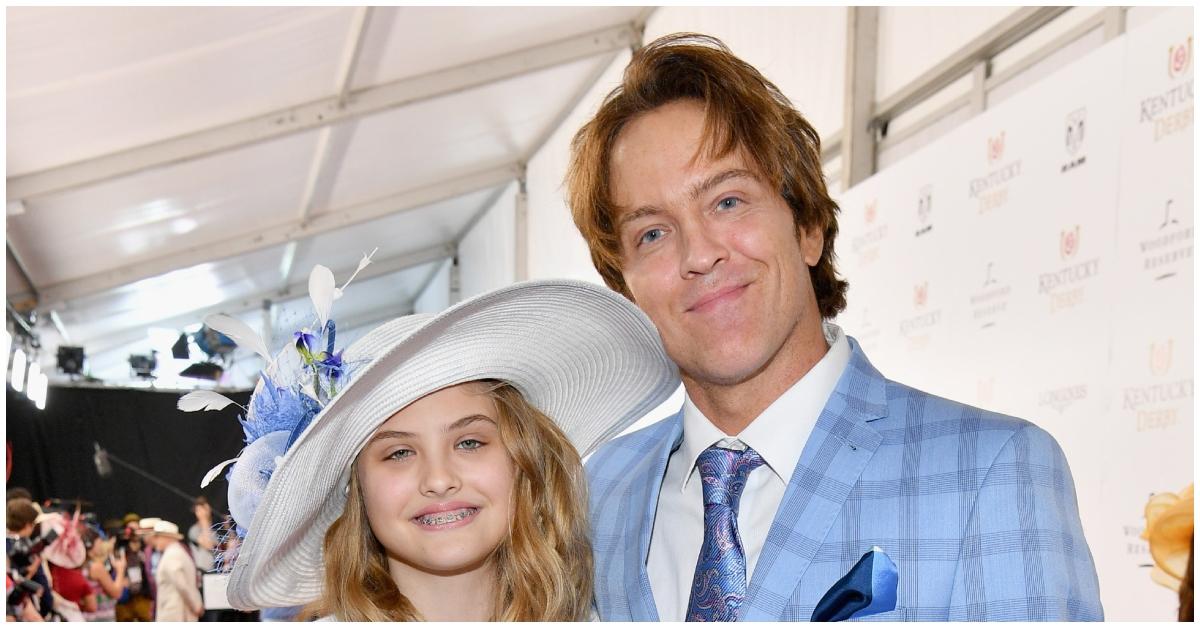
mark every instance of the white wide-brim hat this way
{"type": "Point", "coordinates": [167, 529]}
{"type": "Point", "coordinates": [582, 354]}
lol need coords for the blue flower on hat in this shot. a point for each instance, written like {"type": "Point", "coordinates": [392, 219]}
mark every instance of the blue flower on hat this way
{"type": "Point", "coordinates": [304, 344]}
{"type": "Point", "coordinates": [278, 409]}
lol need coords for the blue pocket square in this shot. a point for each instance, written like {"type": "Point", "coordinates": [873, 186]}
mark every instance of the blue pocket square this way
{"type": "Point", "coordinates": [868, 588]}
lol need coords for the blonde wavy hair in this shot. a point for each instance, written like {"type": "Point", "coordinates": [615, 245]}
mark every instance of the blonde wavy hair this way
{"type": "Point", "coordinates": [544, 564]}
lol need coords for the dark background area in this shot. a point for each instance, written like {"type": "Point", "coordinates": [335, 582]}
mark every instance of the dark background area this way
{"type": "Point", "coordinates": [52, 451]}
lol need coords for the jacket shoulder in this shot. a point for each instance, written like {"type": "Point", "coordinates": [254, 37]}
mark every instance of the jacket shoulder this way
{"type": "Point", "coordinates": [616, 454]}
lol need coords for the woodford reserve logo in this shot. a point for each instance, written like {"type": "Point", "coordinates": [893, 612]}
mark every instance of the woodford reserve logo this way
{"type": "Point", "coordinates": [992, 188]}
{"type": "Point", "coordinates": [866, 245]}
{"type": "Point", "coordinates": [1074, 140]}
{"type": "Point", "coordinates": [924, 209]}
{"type": "Point", "coordinates": [1171, 111]}
{"type": "Point", "coordinates": [1159, 404]}
{"type": "Point", "coordinates": [1065, 287]}
{"type": "Point", "coordinates": [990, 301]}
{"type": "Point", "coordinates": [1170, 249]}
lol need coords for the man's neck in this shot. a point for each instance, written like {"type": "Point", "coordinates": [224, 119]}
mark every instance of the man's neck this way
{"type": "Point", "coordinates": [466, 596]}
{"type": "Point", "coordinates": [733, 407]}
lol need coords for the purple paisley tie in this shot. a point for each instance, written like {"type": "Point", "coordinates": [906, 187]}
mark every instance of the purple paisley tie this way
{"type": "Point", "coordinates": [719, 587]}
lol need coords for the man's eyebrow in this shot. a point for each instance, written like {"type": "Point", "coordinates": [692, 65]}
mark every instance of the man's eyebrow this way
{"type": "Point", "coordinates": [717, 179]}
{"type": "Point", "coordinates": [641, 212]}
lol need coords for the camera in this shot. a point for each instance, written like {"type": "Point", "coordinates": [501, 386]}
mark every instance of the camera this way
{"type": "Point", "coordinates": [22, 551]}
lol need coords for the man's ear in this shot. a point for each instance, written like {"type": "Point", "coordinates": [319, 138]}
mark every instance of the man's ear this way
{"type": "Point", "coordinates": [812, 243]}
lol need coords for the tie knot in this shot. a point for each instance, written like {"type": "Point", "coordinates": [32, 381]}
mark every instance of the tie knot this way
{"type": "Point", "coordinates": [724, 473]}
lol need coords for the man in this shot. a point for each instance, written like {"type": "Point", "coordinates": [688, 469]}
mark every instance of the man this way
{"type": "Point", "coordinates": [21, 521]}
{"type": "Point", "coordinates": [699, 191]}
{"type": "Point", "coordinates": [178, 596]}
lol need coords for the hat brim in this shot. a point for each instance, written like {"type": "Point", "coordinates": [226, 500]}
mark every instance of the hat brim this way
{"type": "Point", "coordinates": [582, 354]}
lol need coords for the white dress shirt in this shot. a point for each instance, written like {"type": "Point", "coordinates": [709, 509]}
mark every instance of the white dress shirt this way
{"type": "Point", "coordinates": [778, 435]}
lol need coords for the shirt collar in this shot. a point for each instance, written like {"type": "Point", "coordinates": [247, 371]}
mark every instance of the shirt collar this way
{"type": "Point", "coordinates": [780, 432]}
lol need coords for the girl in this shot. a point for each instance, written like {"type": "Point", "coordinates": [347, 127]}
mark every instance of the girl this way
{"type": "Point", "coordinates": [440, 476]}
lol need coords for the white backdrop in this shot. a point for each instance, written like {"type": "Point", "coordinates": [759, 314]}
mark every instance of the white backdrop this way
{"type": "Point", "coordinates": [1037, 261]}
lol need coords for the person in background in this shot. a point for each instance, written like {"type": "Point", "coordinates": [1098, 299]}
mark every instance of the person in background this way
{"type": "Point", "coordinates": [106, 573]}
{"type": "Point", "coordinates": [20, 519]}
{"type": "Point", "coordinates": [202, 542]}
{"type": "Point", "coordinates": [178, 596]}
{"type": "Point", "coordinates": [136, 603]}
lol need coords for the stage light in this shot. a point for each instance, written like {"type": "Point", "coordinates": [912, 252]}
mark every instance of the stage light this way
{"type": "Point", "coordinates": [38, 388]}
{"type": "Point", "coordinates": [143, 365]}
{"type": "Point", "coordinates": [18, 370]}
{"type": "Point", "coordinates": [31, 377]}
{"type": "Point", "coordinates": [70, 359]}
{"type": "Point", "coordinates": [180, 350]}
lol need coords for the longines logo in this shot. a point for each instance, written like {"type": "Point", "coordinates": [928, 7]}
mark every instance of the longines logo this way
{"type": "Point", "coordinates": [867, 333]}
{"type": "Point", "coordinates": [923, 321]}
{"type": "Point", "coordinates": [1075, 132]}
{"type": "Point", "coordinates": [1065, 286]}
{"type": "Point", "coordinates": [1159, 404]}
{"type": "Point", "coordinates": [924, 209]}
{"type": "Point", "coordinates": [991, 189]}
{"type": "Point", "coordinates": [1171, 247]}
{"type": "Point", "coordinates": [866, 245]}
{"type": "Point", "coordinates": [991, 300]}
{"type": "Point", "coordinates": [1062, 398]}
{"type": "Point", "coordinates": [1171, 111]}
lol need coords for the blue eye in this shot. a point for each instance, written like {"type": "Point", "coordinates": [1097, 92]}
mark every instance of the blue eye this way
{"type": "Point", "coordinates": [650, 236]}
{"type": "Point", "coordinates": [470, 444]}
{"type": "Point", "coordinates": [728, 203]}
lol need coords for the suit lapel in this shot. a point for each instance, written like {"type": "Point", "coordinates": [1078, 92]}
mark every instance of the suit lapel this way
{"type": "Point", "coordinates": [644, 484]}
{"type": "Point", "coordinates": [841, 445]}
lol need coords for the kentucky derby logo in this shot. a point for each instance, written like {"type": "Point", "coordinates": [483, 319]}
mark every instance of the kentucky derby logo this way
{"type": "Point", "coordinates": [1074, 125]}
{"type": "Point", "coordinates": [921, 294]}
{"type": "Point", "coordinates": [1179, 59]}
{"type": "Point", "coordinates": [1068, 243]}
{"type": "Point", "coordinates": [995, 148]}
{"type": "Point", "coordinates": [866, 245]}
{"type": "Point", "coordinates": [1160, 357]}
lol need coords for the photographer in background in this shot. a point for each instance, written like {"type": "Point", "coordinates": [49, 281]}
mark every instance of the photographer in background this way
{"type": "Point", "coordinates": [24, 557]}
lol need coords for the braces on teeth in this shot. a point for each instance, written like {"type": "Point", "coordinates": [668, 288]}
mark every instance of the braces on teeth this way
{"type": "Point", "coordinates": [447, 518]}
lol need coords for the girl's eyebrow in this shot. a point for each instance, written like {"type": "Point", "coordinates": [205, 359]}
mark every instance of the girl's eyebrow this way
{"type": "Point", "coordinates": [459, 424]}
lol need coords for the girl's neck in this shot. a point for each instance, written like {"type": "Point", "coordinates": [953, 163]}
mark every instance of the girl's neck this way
{"type": "Point", "coordinates": [465, 596]}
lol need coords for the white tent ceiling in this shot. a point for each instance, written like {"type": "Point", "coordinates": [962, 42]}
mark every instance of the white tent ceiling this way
{"type": "Point", "coordinates": [165, 163]}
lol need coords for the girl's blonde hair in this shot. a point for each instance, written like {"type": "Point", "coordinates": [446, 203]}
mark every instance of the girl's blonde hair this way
{"type": "Point", "coordinates": [544, 564]}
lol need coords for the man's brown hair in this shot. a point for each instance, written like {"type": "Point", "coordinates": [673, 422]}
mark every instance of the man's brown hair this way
{"type": "Point", "coordinates": [743, 110]}
{"type": "Point", "coordinates": [20, 513]}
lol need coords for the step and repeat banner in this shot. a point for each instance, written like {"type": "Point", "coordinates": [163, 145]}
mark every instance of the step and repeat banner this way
{"type": "Point", "coordinates": [1037, 261]}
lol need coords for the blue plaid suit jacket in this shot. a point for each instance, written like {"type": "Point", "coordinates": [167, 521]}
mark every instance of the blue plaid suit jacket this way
{"type": "Point", "coordinates": [977, 510]}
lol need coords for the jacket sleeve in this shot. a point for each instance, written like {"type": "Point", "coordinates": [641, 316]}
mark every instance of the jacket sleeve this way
{"type": "Point", "coordinates": [1024, 556]}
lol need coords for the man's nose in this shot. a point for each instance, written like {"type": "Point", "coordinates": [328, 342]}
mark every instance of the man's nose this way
{"type": "Point", "coordinates": [702, 249]}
